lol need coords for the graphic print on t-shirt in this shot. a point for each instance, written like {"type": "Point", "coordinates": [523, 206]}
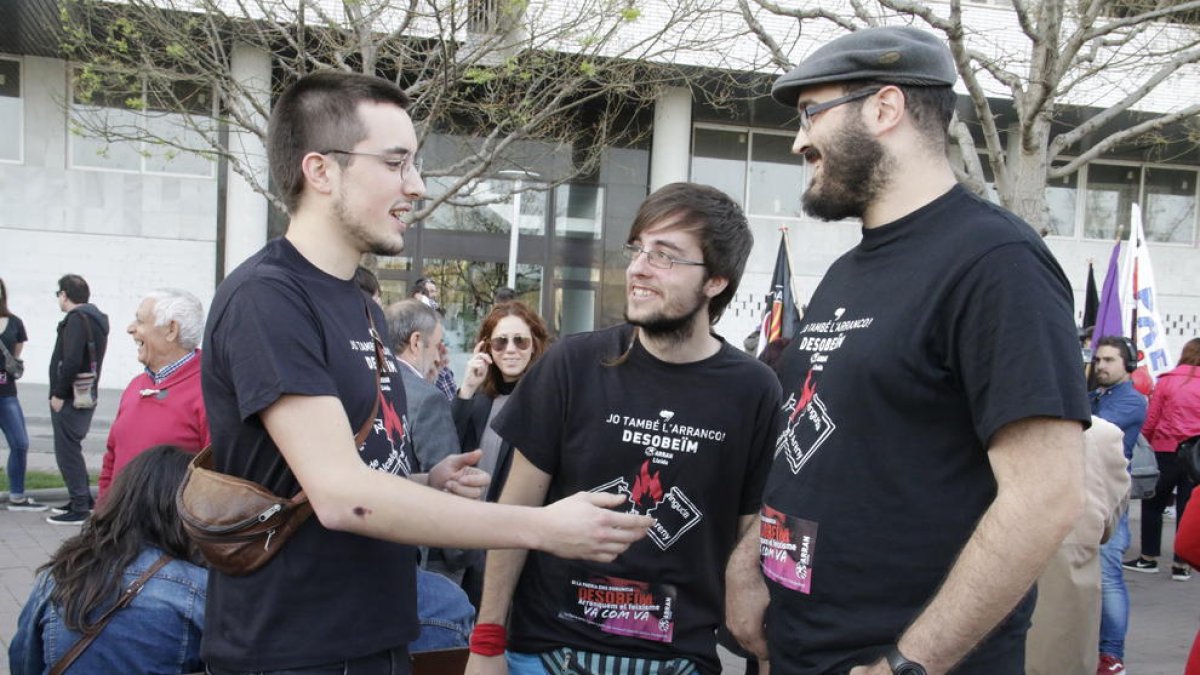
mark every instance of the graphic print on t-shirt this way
{"type": "Point", "coordinates": [662, 441]}
{"type": "Point", "coordinates": [809, 421]}
{"type": "Point", "coordinates": [384, 448]}
{"type": "Point", "coordinates": [788, 546]}
{"type": "Point", "coordinates": [619, 606]}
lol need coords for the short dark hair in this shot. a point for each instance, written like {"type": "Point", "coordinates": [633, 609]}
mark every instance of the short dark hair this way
{"type": "Point", "coordinates": [931, 107]}
{"type": "Point", "coordinates": [367, 281]}
{"type": "Point", "coordinates": [1122, 344]}
{"type": "Point", "coordinates": [419, 287]}
{"type": "Point", "coordinates": [320, 112]}
{"type": "Point", "coordinates": [719, 224]}
{"type": "Point", "coordinates": [504, 294]}
{"type": "Point", "coordinates": [75, 288]}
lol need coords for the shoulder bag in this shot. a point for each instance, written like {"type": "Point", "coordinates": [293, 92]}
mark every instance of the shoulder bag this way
{"type": "Point", "coordinates": [14, 366]}
{"type": "Point", "coordinates": [1188, 453]}
{"type": "Point", "coordinates": [84, 385]}
{"type": "Point", "coordinates": [238, 524]}
{"type": "Point", "coordinates": [92, 633]}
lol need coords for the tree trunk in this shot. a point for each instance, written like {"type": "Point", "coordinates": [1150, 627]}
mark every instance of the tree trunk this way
{"type": "Point", "coordinates": [1027, 167]}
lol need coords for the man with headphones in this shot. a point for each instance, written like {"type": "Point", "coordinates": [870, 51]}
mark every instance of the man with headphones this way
{"type": "Point", "coordinates": [1114, 399]}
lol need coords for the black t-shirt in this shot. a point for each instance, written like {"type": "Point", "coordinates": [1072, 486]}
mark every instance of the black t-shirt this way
{"type": "Point", "coordinates": [689, 444]}
{"type": "Point", "coordinates": [12, 335]}
{"type": "Point", "coordinates": [279, 325]}
{"type": "Point", "coordinates": [918, 345]}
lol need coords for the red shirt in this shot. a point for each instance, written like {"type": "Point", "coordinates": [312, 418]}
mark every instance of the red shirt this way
{"type": "Point", "coordinates": [150, 414]}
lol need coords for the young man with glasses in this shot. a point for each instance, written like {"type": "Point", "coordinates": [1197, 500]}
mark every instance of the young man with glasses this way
{"type": "Point", "coordinates": [290, 374]}
{"type": "Point", "coordinates": [662, 411]}
{"type": "Point", "coordinates": [932, 458]}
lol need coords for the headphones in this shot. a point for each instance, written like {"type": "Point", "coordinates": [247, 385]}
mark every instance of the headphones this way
{"type": "Point", "coordinates": [1130, 349]}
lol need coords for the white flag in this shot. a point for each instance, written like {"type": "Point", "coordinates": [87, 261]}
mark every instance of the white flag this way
{"type": "Point", "coordinates": [1138, 291]}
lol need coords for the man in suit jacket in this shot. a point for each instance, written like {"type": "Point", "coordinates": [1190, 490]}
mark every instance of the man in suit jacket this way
{"type": "Point", "coordinates": [416, 332]}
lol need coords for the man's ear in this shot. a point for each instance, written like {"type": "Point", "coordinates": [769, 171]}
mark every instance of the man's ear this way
{"type": "Point", "coordinates": [715, 285]}
{"type": "Point", "coordinates": [320, 172]}
{"type": "Point", "coordinates": [886, 109]}
{"type": "Point", "coordinates": [414, 341]}
{"type": "Point", "coordinates": [173, 331]}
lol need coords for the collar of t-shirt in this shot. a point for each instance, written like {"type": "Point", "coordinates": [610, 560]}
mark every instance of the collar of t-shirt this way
{"type": "Point", "coordinates": [166, 371]}
{"type": "Point", "coordinates": [877, 237]}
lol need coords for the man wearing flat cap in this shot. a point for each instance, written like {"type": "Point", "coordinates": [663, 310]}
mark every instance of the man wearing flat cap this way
{"type": "Point", "coordinates": [932, 459]}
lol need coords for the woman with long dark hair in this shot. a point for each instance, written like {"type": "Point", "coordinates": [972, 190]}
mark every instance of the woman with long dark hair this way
{"type": "Point", "coordinates": [134, 526]}
{"type": "Point", "coordinates": [1173, 417]}
{"type": "Point", "coordinates": [12, 418]}
{"type": "Point", "coordinates": [511, 338]}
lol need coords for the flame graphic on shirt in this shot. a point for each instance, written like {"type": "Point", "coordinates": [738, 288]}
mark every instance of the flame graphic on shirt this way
{"type": "Point", "coordinates": [392, 424]}
{"type": "Point", "coordinates": [807, 390]}
{"type": "Point", "coordinates": [646, 485]}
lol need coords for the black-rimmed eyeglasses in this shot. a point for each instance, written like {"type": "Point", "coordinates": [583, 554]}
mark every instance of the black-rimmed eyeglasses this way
{"type": "Point", "coordinates": [657, 259]}
{"type": "Point", "coordinates": [400, 164]}
{"type": "Point", "coordinates": [807, 113]}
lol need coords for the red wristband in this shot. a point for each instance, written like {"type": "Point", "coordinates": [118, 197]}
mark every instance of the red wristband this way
{"type": "Point", "coordinates": [489, 639]}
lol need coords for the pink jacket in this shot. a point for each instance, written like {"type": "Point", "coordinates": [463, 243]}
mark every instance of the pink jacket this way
{"type": "Point", "coordinates": [149, 414]}
{"type": "Point", "coordinates": [1174, 413]}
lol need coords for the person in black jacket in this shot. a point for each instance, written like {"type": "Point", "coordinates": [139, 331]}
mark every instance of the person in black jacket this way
{"type": "Point", "coordinates": [82, 339]}
{"type": "Point", "coordinates": [511, 337]}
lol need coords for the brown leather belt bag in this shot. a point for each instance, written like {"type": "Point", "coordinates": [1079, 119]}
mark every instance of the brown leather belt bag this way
{"type": "Point", "coordinates": [238, 524]}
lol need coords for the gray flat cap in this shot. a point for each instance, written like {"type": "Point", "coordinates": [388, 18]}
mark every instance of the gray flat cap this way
{"type": "Point", "coordinates": [894, 54]}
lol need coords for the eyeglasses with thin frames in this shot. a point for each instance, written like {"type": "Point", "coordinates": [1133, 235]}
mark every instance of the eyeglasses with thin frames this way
{"type": "Point", "coordinates": [662, 261]}
{"type": "Point", "coordinates": [500, 342]}
{"type": "Point", "coordinates": [807, 113]}
{"type": "Point", "coordinates": [395, 164]}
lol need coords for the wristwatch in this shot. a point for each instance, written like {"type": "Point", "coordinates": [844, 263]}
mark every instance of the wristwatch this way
{"type": "Point", "coordinates": [901, 665]}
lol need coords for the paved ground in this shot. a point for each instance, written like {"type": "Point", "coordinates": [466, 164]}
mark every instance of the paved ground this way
{"type": "Point", "coordinates": [1164, 617]}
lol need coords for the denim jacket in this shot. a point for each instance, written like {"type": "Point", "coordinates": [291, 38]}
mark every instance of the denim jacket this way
{"type": "Point", "coordinates": [159, 632]}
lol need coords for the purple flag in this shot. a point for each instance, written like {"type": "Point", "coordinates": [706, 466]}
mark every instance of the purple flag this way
{"type": "Point", "coordinates": [1108, 316]}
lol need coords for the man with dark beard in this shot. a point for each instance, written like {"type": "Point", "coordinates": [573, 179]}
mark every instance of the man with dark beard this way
{"type": "Point", "coordinates": [294, 366]}
{"type": "Point", "coordinates": [932, 458]}
{"type": "Point", "coordinates": [660, 410]}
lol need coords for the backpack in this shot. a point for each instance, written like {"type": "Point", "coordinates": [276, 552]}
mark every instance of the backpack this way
{"type": "Point", "coordinates": [1143, 470]}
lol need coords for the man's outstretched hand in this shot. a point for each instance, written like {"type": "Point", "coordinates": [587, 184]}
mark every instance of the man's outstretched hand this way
{"type": "Point", "coordinates": [582, 527]}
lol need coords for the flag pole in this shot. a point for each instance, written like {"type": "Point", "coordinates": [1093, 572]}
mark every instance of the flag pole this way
{"type": "Point", "coordinates": [787, 248]}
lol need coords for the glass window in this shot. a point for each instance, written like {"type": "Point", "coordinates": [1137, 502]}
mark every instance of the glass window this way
{"type": "Point", "coordinates": [1061, 195]}
{"type": "Point", "coordinates": [121, 107]}
{"type": "Point", "coordinates": [11, 110]}
{"type": "Point", "coordinates": [1111, 192]}
{"type": "Point", "coordinates": [719, 159]}
{"type": "Point", "coordinates": [777, 177]}
{"type": "Point", "coordinates": [486, 206]}
{"type": "Point", "coordinates": [1170, 205]}
{"type": "Point", "coordinates": [578, 211]}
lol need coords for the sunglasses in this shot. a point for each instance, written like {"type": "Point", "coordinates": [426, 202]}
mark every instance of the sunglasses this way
{"type": "Point", "coordinates": [500, 343]}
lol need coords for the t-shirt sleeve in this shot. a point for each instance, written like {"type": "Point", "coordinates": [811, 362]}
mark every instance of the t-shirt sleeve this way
{"type": "Point", "coordinates": [532, 420]}
{"type": "Point", "coordinates": [768, 423]}
{"type": "Point", "coordinates": [20, 335]}
{"type": "Point", "coordinates": [1013, 341]}
{"type": "Point", "coordinates": [272, 344]}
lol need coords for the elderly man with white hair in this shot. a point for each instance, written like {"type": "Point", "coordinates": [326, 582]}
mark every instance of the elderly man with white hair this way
{"type": "Point", "coordinates": [164, 403]}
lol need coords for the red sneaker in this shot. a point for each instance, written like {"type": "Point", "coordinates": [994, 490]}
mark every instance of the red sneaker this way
{"type": "Point", "coordinates": [1110, 665]}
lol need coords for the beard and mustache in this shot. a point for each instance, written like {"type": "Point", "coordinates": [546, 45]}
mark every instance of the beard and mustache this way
{"type": "Point", "coordinates": [854, 171]}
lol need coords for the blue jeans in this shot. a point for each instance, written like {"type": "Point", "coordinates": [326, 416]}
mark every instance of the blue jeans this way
{"type": "Point", "coordinates": [1114, 597]}
{"type": "Point", "coordinates": [445, 613]}
{"type": "Point", "coordinates": [12, 422]}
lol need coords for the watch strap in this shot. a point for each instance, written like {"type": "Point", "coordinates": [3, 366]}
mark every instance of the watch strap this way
{"type": "Point", "coordinates": [900, 664]}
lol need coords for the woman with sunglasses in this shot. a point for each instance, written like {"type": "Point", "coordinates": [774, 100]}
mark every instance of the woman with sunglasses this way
{"type": "Point", "coordinates": [511, 338]}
